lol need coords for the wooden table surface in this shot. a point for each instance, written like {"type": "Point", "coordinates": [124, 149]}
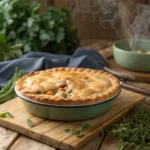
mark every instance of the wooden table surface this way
{"type": "Point", "coordinates": [15, 141]}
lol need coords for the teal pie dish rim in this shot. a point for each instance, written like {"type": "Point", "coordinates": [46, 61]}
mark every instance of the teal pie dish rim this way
{"type": "Point", "coordinates": [69, 112]}
{"type": "Point", "coordinates": [65, 106]}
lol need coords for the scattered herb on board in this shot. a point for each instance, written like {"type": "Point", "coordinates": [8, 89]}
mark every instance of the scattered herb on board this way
{"type": "Point", "coordinates": [84, 128]}
{"type": "Point", "coordinates": [87, 126]}
{"type": "Point", "coordinates": [80, 132]}
{"type": "Point", "coordinates": [2, 115]}
{"type": "Point", "coordinates": [134, 131]}
{"type": "Point", "coordinates": [7, 92]}
{"type": "Point", "coordinates": [30, 123]}
{"type": "Point", "coordinates": [70, 131]}
{"type": "Point", "coordinates": [10, 115]}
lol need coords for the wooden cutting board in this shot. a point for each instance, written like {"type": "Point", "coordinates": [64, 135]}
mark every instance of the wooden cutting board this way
{"type": "Point", "coordinates": [52, 132]}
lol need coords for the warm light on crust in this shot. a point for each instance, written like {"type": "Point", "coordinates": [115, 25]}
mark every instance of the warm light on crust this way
{"type": "Point", "coordinates": [72, 86]}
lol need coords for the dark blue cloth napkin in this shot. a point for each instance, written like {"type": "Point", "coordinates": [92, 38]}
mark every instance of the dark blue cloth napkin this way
{"type": "Point", "coordinates": [39, 61]}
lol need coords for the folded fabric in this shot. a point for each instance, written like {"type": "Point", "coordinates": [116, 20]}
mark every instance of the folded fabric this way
{"type": "Point", "coordinates": [40, 61]}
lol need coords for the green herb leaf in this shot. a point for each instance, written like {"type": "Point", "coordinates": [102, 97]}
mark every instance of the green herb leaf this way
{"type": "Point", "coordinates": [64, 95]}
{"type": "Point", "coordinates": [70, 91]}
{"type": "Point", "coordinates": [30, 123]}
{"type": "Point", "coordinates": [60, 35]}
{"type": "Point", "coordinates": [3, 38]}
{"type": "Point", "coordinates": [70, 131]}
{"type": "Point", "coordinates": [2, 115]}
{"type": "Point", "coordinates": [54, 91]}
{"type": "Point", "coordinates": [87, 126]}
{"type": "Point", "coordinates": [7, 92]}
{"type": "Point", "coordinates": [10, 115]}
{"type": "Point", "coordinates": [39, 92]}
{"type": "Point", "coordinates": [79, 133]}
{"type": "Point", "coordinates": [44, 37]}
{"type": "Point", "coordinates": [36, 9]}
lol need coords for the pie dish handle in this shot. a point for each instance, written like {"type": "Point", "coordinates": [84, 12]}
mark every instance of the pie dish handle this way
{"type": "Point", "coordinates": [135, 89]}
{"type": "Point", "coordinates": [121, 76]}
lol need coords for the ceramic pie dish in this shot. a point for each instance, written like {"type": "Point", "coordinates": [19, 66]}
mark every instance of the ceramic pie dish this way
{"type": "Point", "coordinates": [68, 94]}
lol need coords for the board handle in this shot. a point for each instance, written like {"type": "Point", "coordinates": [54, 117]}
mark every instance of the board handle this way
{"type": "Point", "coordinates": [135, 89]}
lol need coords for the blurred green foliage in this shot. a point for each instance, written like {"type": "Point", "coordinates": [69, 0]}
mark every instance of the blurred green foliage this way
{"type": "Point", "coordinates": [21, 23]}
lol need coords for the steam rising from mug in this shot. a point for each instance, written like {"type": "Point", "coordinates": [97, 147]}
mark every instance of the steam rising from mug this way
{"type": "Point", "coordinates": [129, 18]}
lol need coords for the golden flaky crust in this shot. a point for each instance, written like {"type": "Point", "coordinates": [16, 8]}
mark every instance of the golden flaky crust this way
{"type": "Point", "coordinates": [81, 85]}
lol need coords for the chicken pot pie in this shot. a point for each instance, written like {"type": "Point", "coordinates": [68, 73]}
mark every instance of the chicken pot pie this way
{"type": "Point", "coordinates": [68, 86]}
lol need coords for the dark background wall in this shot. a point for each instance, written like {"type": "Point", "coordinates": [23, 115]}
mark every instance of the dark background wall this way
{"type": "Point", "coordinates": [87, 29]}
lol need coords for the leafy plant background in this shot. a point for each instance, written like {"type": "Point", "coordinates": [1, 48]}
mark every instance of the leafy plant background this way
{"type": "Point", "coordinates": [24, 29]}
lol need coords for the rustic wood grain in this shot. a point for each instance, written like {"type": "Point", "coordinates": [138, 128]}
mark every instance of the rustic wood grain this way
{"type": "Point", "coordinates": [25, 143]}
{"type": "Point", "coordinates": [94, 144]}
{"type": "Point", "coordinates": [96, 44]}
{"type": "Point", "coordinates": [20, 114]}
{"type": "Point", "coordinates": [75, 143]}
{"type": "Point", "coordinates": [110, 142]}
{"type": "Point", "coordinates": [71, 142]}
{"type": "Point", "coordinates": [7, 138]}
{"type": "Point", "coordinates": [106, 52]}
{"type": "Point", "coordinates": [44, 127]}
{"type": "Point", "coordinates": [139, 76]}
{"type": "Point", "coordinates": [145, 86]}
{"type": "Point", "coordinates": [104, 47]}
{"type": "Point", "coordinates": [53, 132]}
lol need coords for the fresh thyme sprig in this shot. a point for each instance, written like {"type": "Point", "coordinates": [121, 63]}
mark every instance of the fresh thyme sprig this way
{"type": "Point", "coordinates": [134, 131]}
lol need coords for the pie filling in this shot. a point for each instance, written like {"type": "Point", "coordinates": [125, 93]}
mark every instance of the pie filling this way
{"type": "Point", "coordinates": [68, 85]}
